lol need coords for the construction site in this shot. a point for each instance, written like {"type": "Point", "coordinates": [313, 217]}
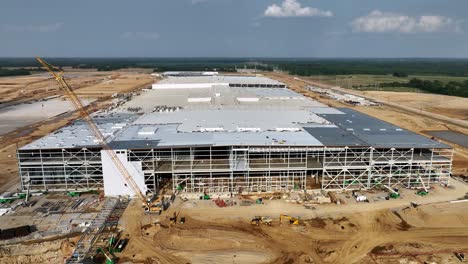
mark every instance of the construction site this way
{"type": "Point", "coordinates": [228, 134]}
{"type": "Point", "coordinates": [208, 167]}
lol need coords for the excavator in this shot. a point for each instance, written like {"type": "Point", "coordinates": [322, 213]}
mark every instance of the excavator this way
{"type": "Point", "coordinates": [58, 73]}
{"type": "Point", "coordinates": [292, 220]}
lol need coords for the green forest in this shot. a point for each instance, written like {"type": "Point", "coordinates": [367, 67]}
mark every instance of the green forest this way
{"type": "Point", "coordinates": [14, 72]}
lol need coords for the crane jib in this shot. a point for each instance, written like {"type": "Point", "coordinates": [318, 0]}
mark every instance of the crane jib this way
{"type": "Point", "coordinates": [57, 73]}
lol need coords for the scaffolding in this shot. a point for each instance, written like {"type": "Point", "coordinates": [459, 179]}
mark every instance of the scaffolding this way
{"type": "Point", "coordinates": [61, 169]}
{"type": "Point", "coordinates": [252, 168]}
{"type": "Point", "coordinates": [367, 168]}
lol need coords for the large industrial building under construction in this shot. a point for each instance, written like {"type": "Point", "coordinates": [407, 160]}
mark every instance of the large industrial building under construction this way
{"type": "Point", "coordinates": [228, 134]}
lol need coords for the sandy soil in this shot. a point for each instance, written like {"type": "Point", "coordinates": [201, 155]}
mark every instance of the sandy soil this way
{"type": "Point", "coordinates": [86, 84]}
{"type": "Point", "coordinates": [38, 86]}
{"type": "Point", "coordinates": [46, 251]}
{"type": "Point", "coordinates": [116, 83]}
{"type": "Point", "coordinates": [451, 106]}
{"type": "Point", "coordinates": [328, 235]}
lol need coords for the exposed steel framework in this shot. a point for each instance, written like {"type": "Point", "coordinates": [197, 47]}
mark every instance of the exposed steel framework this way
{"type": "Point", "coordinates": [57, 73]}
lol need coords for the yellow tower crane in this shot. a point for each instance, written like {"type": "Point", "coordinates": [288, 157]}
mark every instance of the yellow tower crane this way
{"type": "Point", "coordinates": [57, 73]}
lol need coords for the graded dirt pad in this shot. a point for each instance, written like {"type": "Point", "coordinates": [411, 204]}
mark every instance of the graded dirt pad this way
{"type": "Point", "coordinates": [21, 115]}
{"type": "Point", "coordinates": [381, 236]}
{"type": "Point", "coordinates": [85, 84]}
{"type": "Point", "coordinates": [116, 83]}
{"type": "Point", "coordinates": [25, 88]}
{"type": "Point", "coordinates": [451, 106]}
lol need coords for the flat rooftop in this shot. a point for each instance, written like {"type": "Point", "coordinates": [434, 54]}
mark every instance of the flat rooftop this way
{"type": "Point", "coordinates": [220, 115]}
{"type": "Point", "coordinates": [221, 79]}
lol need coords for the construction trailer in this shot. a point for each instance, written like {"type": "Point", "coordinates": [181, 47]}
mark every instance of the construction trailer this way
{"type": "Point", "coordinates": [257, 138]}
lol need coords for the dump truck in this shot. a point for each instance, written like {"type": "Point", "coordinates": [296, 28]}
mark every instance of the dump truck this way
{"type": "Point", "coordinates": [257, 220]}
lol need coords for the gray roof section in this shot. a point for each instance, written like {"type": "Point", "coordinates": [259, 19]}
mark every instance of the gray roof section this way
{"type": "Point", "coordinates": [335, 137]}
{"type": "Point", "coordinates": [77, 134]}
{"type": "Point", "coordinates": [378, 133]}
{"type": "Point", "coordinates": [277, 116]}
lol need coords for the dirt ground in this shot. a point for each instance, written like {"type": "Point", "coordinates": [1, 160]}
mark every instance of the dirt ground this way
{"type": "Point", "coordinates": [115, 83]}
{"type": "Point", "coordinates": [451, 106]}
{"type": "Point", "coordinates": [377, 234]}
{"type": "Point", "coordinates": [43, 251]}
{"type": "Point", "coordinates": [88, 84]}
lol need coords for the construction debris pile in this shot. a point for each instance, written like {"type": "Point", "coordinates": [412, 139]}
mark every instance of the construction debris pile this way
{"type": "Point", "coordinates": [342, 97]}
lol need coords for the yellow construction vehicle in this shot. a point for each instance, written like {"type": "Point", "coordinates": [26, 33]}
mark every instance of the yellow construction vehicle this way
{"type": "Point", "coordinates": [155, 204]}
{"type": "Point", "coordinates": [257, 220]}
{"type": "Point", "coordinates": [57, 73]}
{"type": "Point", "coordinates": [292, 220]}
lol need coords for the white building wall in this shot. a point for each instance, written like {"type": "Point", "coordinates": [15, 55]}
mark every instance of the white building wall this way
{"type": "Point", "coordinates": [114, 183]}
{"type": "Point", "coordinates": [186, 85]}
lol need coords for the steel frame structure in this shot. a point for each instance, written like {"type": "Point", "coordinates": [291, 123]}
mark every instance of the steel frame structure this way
{"type": "Point", "coordinates": [367, 168]}
{"type": "Point", "coordinates": [243, 168]}
{"type": "Point", "coordinates": [61, 169]}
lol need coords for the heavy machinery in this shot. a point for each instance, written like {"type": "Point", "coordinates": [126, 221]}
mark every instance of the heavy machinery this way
{"type": "Point", "coordinates": [111, 243]}
{"type": "Point", "coordinates": [393, 194]}
{"type": "Point", "coordinates": [57, 73]}
{"type": "Point", "coordinates": [422, 192]}
{"type": "Point", "coordinates": [257, 220]}
{"type": "Point", "coordinates": [155, 205]}
{"type": "Point", "coordinates": [292, 220]}
{"type": "Point", "coordinates": [108, 255]}
{"type": "Point", "coordinates": [120, 245]}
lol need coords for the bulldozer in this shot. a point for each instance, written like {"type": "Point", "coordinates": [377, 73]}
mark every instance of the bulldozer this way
{"type": "Point", "coordinates": [292, 220]}
{"type": "Point", "coordinates": [154, 205]}
{"type": "Point", "coordinates": [257, 220]}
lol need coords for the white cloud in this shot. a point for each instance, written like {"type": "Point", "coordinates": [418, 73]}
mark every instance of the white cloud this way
{"type": "Point", "coordinates": [141, 35]}
{"type": "Point", "coordinates": [380, 22]}
{"type": "Point", "coordinates": [47, 28]}
{"type": "Point", "coordinates": [292, 8]}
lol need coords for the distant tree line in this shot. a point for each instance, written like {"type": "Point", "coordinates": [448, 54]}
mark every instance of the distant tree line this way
{"type": "Point", "coordinates": [451, 88]}
{"type": "Point", "coordinates": [395, 67]}
{"type": "Point", "coordinates": [14, 72]}
{"type": "Point", "coordinates": [297, 66]}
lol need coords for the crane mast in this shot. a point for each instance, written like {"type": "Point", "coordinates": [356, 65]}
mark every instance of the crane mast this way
{"type": "Point", "coordinates": [57, 73]}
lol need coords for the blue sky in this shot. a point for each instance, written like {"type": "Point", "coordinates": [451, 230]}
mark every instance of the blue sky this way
{"type": "Point", "coordinates": [234, 28]}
